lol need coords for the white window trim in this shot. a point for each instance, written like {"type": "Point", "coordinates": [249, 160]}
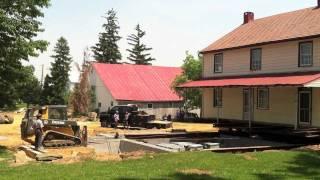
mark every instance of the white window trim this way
{"type": "Point", "coordinates": [216, 92]}
{"type": "Point", "coordinates": [254, 66]}
{"type": "Point", "coordinates": [301, 54]}
{"type": "Point", "coordinates": [259, 99]}
{"type": "Point", "coordinates": [214, 63]}
{"type": "Point", "coordinates": [148, 106]}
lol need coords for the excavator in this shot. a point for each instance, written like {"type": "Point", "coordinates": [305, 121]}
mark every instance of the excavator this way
{"type": "Point", "coordinates": [58, 130]}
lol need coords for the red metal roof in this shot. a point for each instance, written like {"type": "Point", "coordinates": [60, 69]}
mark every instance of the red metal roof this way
{"type": "Point", "coordinates": [142, 83]}
{"type": "Point", "coordinates": [292, 25]}
{"type": "Point", "coordinates": [274, 80]}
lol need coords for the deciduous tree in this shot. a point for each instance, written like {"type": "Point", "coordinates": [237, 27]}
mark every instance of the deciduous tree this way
{"type": "Point", "coordinates": [29, 87]}
{"type": "Point", "coordinates": [81, 96]}
{"type": "Point", "coordinates": [191, 71]}
{"type": "Point", "coordinates": [19, 25]}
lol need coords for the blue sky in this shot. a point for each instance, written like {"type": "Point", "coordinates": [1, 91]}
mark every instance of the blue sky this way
{"type": "Point", "coordinates": [172, 26]}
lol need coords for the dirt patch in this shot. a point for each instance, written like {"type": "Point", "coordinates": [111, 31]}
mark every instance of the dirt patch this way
{"type": "Point", "coordinates": [310, 148]}
{"type": "Point", "coordinates": [3, 138]}
{"type": "Point", "coordinates": [134, 155]}
{"type": "Point", "coordinates": [195, 172]}
{"type": "Point", "coordinates": [73, 155]}
{"type": "Point", "coordinates": [20, 158]}
{"type": "Point", "coordinates": [249, 157]}
{"type": "Point", "coordinates": [79, 154]}
{"type": "Point", "coordinates": [107, 157]}
{"type": "Point", "coordinates": [94, 128]}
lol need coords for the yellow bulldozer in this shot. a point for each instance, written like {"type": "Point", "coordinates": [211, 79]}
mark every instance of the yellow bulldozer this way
{"type": "Point", "coordinates": [58, 130]}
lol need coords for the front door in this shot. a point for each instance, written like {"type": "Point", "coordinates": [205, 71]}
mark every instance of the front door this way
{"type": "Point", "coordinates": [304, 110]}
{"type": "Point", "coordinates": [247, 104]}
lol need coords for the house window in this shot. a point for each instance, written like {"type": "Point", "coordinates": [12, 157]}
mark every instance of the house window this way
{"type": "Point", "coordinates": [217, 97]}
{"type": "Point", "coordinates": [218, 63]}
{"type": "Point", "coordinates": [263, 98]}
{"type": "Point", "coordinates": [150, 106]}
{"type": "Point", "coordinates": [255, 59]}
{"type": "Point", "coordinates": [99, 104]}
{"type": "Point", "coordinates": [305, 54]}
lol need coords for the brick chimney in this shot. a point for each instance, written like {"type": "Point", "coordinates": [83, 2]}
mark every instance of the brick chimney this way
{"type": "Point", "coordinates": [249, 17]}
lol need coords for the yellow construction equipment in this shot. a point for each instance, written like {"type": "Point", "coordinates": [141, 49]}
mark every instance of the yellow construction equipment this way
{"type": "Point", "coordinates": [58, 130]}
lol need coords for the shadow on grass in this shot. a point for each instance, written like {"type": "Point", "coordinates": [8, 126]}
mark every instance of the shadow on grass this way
{"type": "Point", "coordinates": [180, 176]}
{"type": "Point", "coordinates": [3, 151]}
{"type": "Point", "coordinates": [304, 165]}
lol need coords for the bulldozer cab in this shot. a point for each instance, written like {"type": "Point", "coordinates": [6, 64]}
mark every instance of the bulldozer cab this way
{"type": "Point", "coordinates": [57, 112]}
{"type": "Point", "coordinates": [52, 115]}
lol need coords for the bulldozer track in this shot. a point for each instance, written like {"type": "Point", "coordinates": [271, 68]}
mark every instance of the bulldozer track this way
{"type": "Point", "coordinates": [59, 143]}
{"type": "Point", "coordinates": [56, 139]}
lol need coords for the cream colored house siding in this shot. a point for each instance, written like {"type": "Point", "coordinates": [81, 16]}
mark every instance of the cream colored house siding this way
{"type": "Point", "coordinates": [316, 107]}
{"type": "Point", "coordinates": [282, 102]}
{"type": "Point", "coordinates": [231, 101]}
{"type": "Point", "coordinates": [276, 58]}
{"type": "Point", "coordinates": [102, 94]}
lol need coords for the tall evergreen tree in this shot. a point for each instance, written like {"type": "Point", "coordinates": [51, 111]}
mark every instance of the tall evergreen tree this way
{"type": "Point", "coordinates": [138, 52]}
{"type": "Point", "coordinates": [19, 26]}
{"type": "Point", "coordinates": [55, 87]}
{"type": "Point", "coordinates": [107, 50]}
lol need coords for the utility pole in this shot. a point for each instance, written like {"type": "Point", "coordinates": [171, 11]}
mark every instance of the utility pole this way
{"type": "Point", "coordinates": [41, 81]}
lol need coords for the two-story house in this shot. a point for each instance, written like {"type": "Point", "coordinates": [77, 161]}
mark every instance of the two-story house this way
{"type": "Point", "coordinates": [265, 71]}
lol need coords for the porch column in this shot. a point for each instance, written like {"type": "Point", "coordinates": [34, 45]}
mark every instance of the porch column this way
{"type": "Point", "coordinates": [297, 109]}
{"type": "Point", "coordinates": [251, 108]}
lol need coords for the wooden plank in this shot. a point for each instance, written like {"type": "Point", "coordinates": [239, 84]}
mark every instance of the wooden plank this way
{"type": "Point", "coordinates": [30, 152]}
{"type": "Point", "coordinates": [48, 157]}
{"type": "Point", "coordinates": [252, 148]}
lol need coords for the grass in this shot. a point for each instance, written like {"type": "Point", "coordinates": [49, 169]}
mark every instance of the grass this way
{"type": "Point", "coordinates": [196, 165]}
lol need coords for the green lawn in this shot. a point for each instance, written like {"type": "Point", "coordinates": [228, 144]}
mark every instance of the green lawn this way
{"type": "Point", "coordinates": [261, 165]}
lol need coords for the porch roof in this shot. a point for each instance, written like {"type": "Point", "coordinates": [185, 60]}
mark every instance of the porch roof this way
{"type": "Point", "coordinates": [311, 79]}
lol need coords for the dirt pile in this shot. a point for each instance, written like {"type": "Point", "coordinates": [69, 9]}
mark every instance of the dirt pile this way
{"type": "Point", "coordinates": [311, 148]}
{"type": "Point", "coordinates": [20, 158]}
{"type": "Point", "coordinates": [79, 154]}
{"type": "Point", "coordinates": [11, 132]}
{"type": "Point", "coordinates": [6, 119]}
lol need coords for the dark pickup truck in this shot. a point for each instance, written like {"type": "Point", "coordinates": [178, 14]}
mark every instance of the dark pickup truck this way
{"type": "Point", "coordinates": [136, 118]}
